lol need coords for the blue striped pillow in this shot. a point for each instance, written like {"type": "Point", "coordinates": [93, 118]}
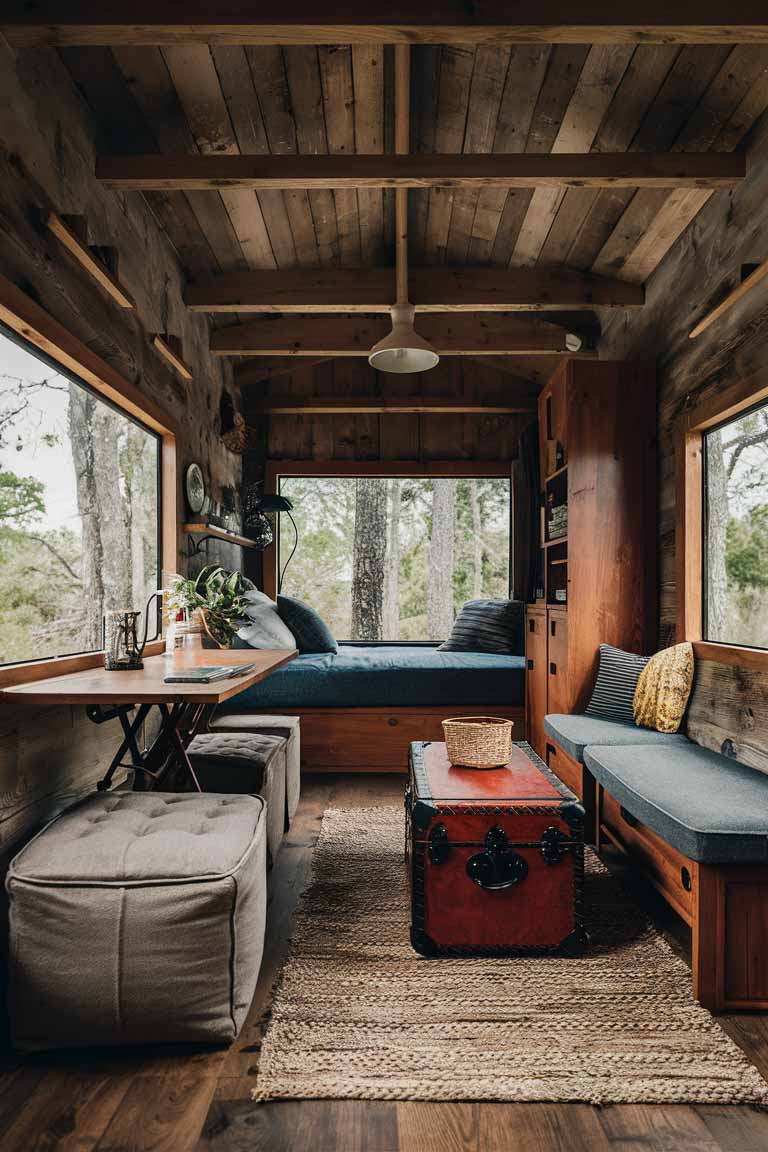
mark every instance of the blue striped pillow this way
{"type": "Point", "coordinates": [488, 626]}
{"type": "Point", "coordinates": [614, 688]}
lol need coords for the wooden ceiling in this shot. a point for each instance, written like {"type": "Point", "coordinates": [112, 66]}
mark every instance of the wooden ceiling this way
{"type": "Point", "coordinates": [225, 100]}
{"type": "Point", "coordinates": [508, 99]}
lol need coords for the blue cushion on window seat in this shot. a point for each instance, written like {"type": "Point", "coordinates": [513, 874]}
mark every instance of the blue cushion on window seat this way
{"type": "Point", "coordinates": [574, 733]}
{"type": "Point", "coordinates": [385, 676]}
{"type": "Point", "coordinates": [711, 808]}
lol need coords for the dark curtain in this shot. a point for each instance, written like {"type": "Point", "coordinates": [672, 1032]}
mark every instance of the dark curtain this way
{"type": "Point", "coordinates": [531, 478]}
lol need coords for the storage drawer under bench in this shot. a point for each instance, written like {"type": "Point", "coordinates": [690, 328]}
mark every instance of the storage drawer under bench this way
{"type": "Point", "coordinates": [667, 869]}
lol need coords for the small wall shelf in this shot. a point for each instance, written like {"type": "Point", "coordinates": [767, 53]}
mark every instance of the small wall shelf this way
{"type": "Point", "coordinates": [72, 231]}
{"type": "Point", "coordinates": [212, 530]}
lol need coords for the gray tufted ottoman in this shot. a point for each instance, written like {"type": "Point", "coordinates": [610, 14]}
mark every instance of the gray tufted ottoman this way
{"type": "Point", "coordinates": [245, 762]}
{"type": "Point", "coordinates": [138, 918]}
{"type": "Point", "coordinates": [289, 727]}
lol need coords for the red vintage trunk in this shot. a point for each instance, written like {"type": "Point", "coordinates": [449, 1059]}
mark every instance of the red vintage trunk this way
{"type": "Point", "coordinates": [495, 856]}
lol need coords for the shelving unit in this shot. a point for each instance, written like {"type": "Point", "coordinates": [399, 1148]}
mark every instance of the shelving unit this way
{"type": "Point", "coordinates": [599, 579]}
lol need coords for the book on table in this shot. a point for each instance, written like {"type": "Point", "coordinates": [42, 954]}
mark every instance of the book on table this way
{"type": "Point", "coordinates": [209, 674]}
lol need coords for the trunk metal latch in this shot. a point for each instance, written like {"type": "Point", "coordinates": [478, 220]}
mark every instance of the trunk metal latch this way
{"type": "Point", "coordinates": [553, 845]}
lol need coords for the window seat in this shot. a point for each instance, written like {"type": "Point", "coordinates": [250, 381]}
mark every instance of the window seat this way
{"type": "Point", "coordinates": [710, 808]}
{"type": "Point", "coordinates": [575, 733]}
{"type": "Point", "coordinates": [361, 708]}
{"type": "Point", "coordinates": [387, 676]}
{"type": "Point", "coordinates": [694, 823]}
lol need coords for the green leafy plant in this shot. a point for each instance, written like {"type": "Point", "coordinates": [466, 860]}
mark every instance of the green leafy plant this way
{"type": "Point", "coordinates": [219, 595]}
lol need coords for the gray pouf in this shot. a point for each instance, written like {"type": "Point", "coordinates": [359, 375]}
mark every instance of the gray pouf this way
{"type": "Point", "coordinates": [245, 762]}
{"type": "Point", "coordinates": [138, 917]}
{"type": "Point", "coordinates": [287, 726]}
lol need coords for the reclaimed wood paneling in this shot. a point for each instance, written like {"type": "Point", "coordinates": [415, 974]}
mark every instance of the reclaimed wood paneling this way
{"type": "Point", "coordinates": [48, 139]}
{"type": "Point", "coordinates": [729, 703]}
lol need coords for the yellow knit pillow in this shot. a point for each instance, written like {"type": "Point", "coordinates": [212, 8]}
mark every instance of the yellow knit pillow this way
{"type": "Point", "coordinates": [663, 689]}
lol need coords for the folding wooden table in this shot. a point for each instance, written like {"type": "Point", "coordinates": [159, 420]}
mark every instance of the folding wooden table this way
{"type": "Point", "coordinates": [185, 709]}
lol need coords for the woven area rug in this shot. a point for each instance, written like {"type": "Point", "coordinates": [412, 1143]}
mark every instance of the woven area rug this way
{"type": "Point", "coordinates": [360, 1015]}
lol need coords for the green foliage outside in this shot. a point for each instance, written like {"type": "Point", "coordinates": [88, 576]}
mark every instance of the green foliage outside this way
{"type": "Point", "coordinates": [321, 570]}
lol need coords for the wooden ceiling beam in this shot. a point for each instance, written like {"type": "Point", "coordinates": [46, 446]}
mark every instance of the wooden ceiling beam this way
{"type": "Point", "coordinates": [457, 335]}
{"type": "Point", "coordinates": [182, 172]}
{"type": "Point", "coordinates": [261, 369]}
{"type": "Point", "coordinates": [493, 22]}
{"type": "Point", "coordinates": [382, 405]}
{"type": "Point", "coordinates": [434, 289]}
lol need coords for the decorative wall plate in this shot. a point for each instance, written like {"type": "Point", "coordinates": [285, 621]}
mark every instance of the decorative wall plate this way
{"type": "Point", "coordinates": [195, 488]}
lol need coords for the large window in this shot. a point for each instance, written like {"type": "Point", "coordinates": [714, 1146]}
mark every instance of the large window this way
{"type": "Point", "coordinates": [394, 558]}
{"type": "Point", "coordinates": [79, 500]}
{"type": "Point", "coordinates": [736, 530]}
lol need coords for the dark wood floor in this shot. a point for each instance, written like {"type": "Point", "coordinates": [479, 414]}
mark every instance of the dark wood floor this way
{"type": "Point", "coordinates": [182, 1101]}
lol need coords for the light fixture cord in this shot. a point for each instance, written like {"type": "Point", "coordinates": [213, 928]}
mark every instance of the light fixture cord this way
{"type": "Point", "coordinates": [293, 551]}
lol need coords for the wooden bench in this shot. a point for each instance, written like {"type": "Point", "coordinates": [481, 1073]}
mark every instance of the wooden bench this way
{"type": "Point", "coordinates": [716, 875]}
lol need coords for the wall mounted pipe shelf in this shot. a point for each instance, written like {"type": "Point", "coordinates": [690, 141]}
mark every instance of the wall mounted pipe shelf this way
{"type": "Point", "coordinates": [198, 533]}
{"type": "Point", "coordinates": [100, 263]}
{"type": "Point", "coordinates": [169, 348]}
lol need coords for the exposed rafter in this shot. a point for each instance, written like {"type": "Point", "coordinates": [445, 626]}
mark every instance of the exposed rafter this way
{"type": "Point", "coordinates": [419, 22]}
{"type": "Point", "coordinates": [381, 405]}
{"type": "Point", "coordinates": [459, 335]}
{"type": "Point", "coordinates": [438, 289]}
{"type": "Point", "coordinates": [153, 172]}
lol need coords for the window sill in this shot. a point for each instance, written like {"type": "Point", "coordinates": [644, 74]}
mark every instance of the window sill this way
{"type": "Point", "coordinates": [753, 658]}
{"type": "Point", "coordinates": [34, 670]}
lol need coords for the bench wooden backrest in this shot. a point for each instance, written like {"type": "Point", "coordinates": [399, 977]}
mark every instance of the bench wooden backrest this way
{"type": "Point", "coordinates": [728, 712]}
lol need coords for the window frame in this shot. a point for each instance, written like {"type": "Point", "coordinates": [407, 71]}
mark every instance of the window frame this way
{"type": "Point", "coordinates": [704, 414]}
{"type": "Point", "coordinates": [36, 327]}
{"type": "Point", "coordinates": [276, 470]}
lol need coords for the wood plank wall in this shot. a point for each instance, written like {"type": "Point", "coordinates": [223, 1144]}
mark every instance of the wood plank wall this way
{"type": "Point", "coordinates": [47, 144]}
{"type": "Point", "coordinates": [425, 436]}
{"type": "Point", "coordinates": [727, 707]}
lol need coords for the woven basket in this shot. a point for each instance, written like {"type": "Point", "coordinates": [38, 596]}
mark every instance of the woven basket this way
{"type": "Point", "coordinates": [478, 741]}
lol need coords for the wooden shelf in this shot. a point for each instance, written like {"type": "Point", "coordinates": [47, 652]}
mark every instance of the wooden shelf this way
{"type": "Point", "coordinates": [219, 533]}
{"type": "Point", "coordinates": [557, 540]}
{"type": "Point", "coordinates": [554, 562]}
{"type": "Point", "coordinates": [556, 473]}
{"type": "Point", "coordinates": [86, 257]}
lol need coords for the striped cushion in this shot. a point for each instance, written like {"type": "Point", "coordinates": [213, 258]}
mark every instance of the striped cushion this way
{"type": "Point", "coordinates": [488, 626]}
{"type": "Point", "coordinates": [617, 679]}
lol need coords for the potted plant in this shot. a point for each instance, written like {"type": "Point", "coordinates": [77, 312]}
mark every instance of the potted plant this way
{"type": "Point", "coordinates": [218, 595]}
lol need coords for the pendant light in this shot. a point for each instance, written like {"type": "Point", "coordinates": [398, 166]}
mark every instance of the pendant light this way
{"type": "Point", "coordinates": [402, 350]}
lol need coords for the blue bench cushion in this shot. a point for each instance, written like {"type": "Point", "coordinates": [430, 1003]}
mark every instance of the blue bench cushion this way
{"type": "Point", "coordinates": [710, 808]}
{"type": "Point", "coordinates": [574, 733]}
{"type": "Point", "coordinates": [386, 677]}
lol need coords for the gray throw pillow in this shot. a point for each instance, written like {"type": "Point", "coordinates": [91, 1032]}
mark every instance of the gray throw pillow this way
{"type": "Point", "coordinates": [310, 630]}
{"type": "Point", "coordinates": [614, 689]}
{"type": "Point", "coordinates": [488, 626]}
{"type": "Point", "coordinates": [264, 628]}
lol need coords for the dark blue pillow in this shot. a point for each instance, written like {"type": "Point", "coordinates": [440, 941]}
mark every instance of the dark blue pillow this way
{"type": "Point", "coordinates": [488, 626]}
{"type": "Point", "coordinates": [310, 630]}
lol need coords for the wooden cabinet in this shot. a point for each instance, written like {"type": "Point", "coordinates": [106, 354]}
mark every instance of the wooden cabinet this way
{"type": "Point", "coordinates": [597, 443]}
{"type": "Point", "coordinates": [535, 677]}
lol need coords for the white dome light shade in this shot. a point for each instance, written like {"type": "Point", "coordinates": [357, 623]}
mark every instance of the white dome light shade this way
{"type": "Point", "coordinates": [403, 350]}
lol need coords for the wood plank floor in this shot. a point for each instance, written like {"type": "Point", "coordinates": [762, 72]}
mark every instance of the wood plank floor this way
{"type": "Point", "coordinates": [177, 1100]}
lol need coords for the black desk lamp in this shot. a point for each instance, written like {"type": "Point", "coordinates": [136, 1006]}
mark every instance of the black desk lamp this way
{"type": "Point", "coordinates": [260, 528]}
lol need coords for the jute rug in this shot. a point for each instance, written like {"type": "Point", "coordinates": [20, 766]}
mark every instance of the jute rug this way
{"type": "Point", "coordinates": [359, 1015]}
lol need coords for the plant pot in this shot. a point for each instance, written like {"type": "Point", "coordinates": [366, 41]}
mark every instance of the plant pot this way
{"type": "Point", "coordinates": [209, 638]}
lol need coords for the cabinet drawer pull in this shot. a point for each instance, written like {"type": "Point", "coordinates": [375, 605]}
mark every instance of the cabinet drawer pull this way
{"type": "Point", "coordinates": [531, 625]}
{"type": "Point", "coordinates": [685, 879]}
{"type": "Point", "coordinates": [551, 751]}
{"type": "Point", "coordinates": [553, 627]}
{"type": "Point", "coordinates": [393, 721]}
{"type": "Point", "coordinates": [553, 669]}
{"type": "Point", "coordinates": [530, 665]}
{"type": "Point", "coordinates": [628, 818]}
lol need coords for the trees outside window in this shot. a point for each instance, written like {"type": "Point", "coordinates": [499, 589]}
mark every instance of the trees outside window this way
{"type": "Point", "coordinates": [394, 559]}
{"type": "Point", "coordinates": [736, 531]}
{"type": "Point", "coordinates": [79, 503]}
